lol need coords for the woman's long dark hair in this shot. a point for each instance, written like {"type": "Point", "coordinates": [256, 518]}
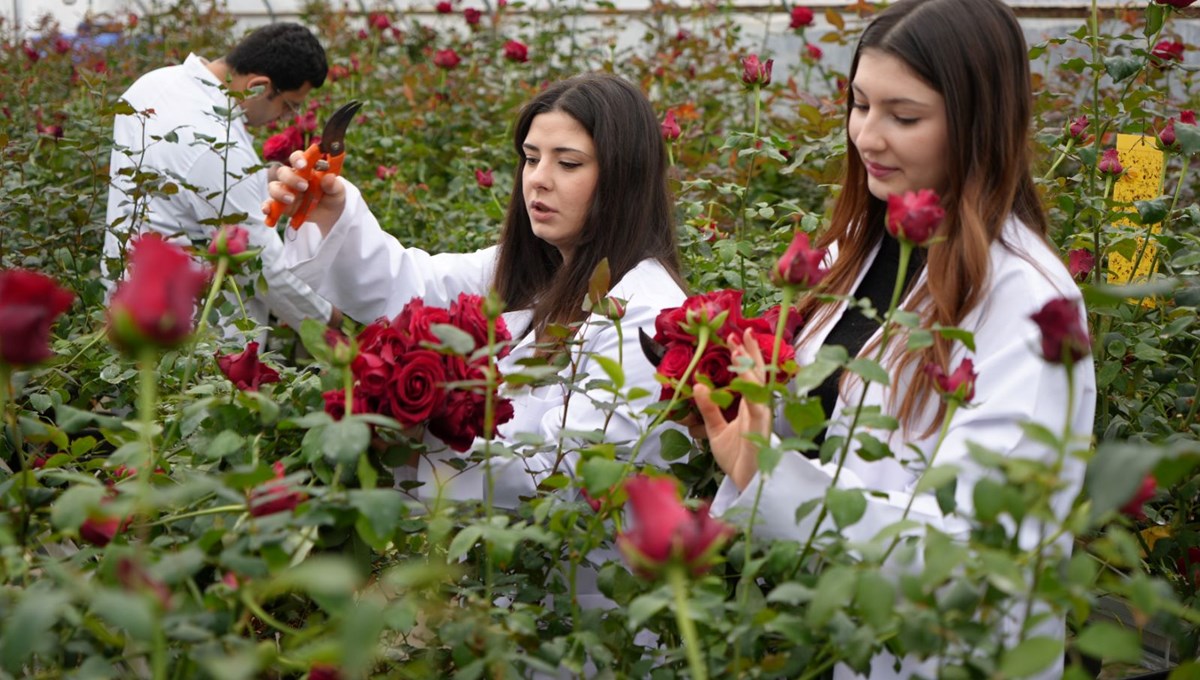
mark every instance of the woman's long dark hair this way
{"type": "Point", "coordinates": [628, 221]}
{"type": "Point", "coordinates": [972, 52]}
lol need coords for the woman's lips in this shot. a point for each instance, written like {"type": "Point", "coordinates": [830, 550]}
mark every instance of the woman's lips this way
{"type": "Point", "coordinates": [879, 171]}
{"type": "Point", "coordinates": [540, 211]}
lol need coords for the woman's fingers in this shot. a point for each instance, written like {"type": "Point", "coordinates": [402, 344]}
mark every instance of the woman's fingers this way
{"type": "Point", "coordinates": [710, 413]}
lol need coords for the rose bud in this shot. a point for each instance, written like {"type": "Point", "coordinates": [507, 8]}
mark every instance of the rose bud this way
{"type": "Point", "coordinates": [472, 16]}
{"type": "Point", "coordinates": [801, 17]}
{"type": "Point", "coordinates": [1166, 136]}
{"type": "Point", "coordinates": [664, 532]}
{"type": "Point", "coordinates": [29, 304]}
{"type": "Point", "coordinates": [55, 131]}
{"type": "Point", "coordinates": [515, 50]}
{"type": "Point", "coordinates": [338, 72]}
{"type": "Point", "coordinates": [1188, 117]}
{"type": "Point", "coordinates": [1078, 129]}
{"type": "Point", "coordinates": [1080, 263]}
{"type": "Point", "coordinates": [756, 73]}
{"type": "Point", "coordinates": [800, 265]}
{"type": "Point", "coordinates": [814, 52]}
{"type": "Point", "coordinates": [446, 59]}
{"type": "Point", "coordinates": [670, 127]}
{"type": "Point", "coordinates": [230, 240]}
{"type": "Point", "coordinates": [1178, 4]}
{"type": "Point", "coordinates": [155, 305]}
{"type": "Point", "coordinates": [1110, 163]}
{"type": "Point", "coordinates": [914, 216]}
{"type": "Point", "coordinates": [444, 7]}
{"type": "Point", "coordinates": [959, 386]}
{"type": "Point", "coordinates": [484, 178]}
{"type": "Point", "coordinates": [1145, 491]}
{"type": "Point", "coordinates": [321, 671]}
{"type": "Point", "coordinates": [1064, 337]}
{"type": "Point", "coordinates": [273, 497]}
{"type": "Point", "coordinates": [244, 369]}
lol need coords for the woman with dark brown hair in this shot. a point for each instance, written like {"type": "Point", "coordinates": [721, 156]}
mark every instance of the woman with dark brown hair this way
{"type": "Point", "coordinates": [939, 99]}
{"type": "Point", "coordinates": [590, 185]}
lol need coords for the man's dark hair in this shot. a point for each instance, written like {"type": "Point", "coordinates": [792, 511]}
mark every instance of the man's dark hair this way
{"type": "Point", "coordinates": [288, 54]}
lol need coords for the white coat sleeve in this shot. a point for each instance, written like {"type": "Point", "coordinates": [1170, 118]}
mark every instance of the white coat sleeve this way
{"type": "Point", "coordinates": [367, 273]}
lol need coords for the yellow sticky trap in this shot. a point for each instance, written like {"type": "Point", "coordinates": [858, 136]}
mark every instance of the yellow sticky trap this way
{"type": "Point", "coordinates": [1143, 164]}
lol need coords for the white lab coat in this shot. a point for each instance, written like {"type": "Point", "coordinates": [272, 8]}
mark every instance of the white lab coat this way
{"type": "Point", "coordinates": [368, 274]}
{"type": "Point", "coordinates": [183, 100]}
{"type": "Point", "coordinates": [1015, 385]}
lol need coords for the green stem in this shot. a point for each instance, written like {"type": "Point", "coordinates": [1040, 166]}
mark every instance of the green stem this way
{"type": "Point", "coordinates": [701, 345]}
{"type": "Point", "coordinates": [951, 407]}
{"type": "Point", "coordinates": [265, 617]}
{"type": "Point", "coordinates": [213, 291]}
{"type": "Point", "coordinates": [1061, 157]}
{"type": "Point", "coordinates": [234, 507]}
{"type": "Point", "coordinates": [147, 410]}
{"type": "Point", "coordinates": [677, 578]}
{"type": "Point", "coordinates": [8, 415]}
{"type": "Point", "coordinates": [489, 426]}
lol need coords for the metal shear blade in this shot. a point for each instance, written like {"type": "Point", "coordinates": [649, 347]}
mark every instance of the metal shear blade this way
{"type": "Point", "coordinates": [333, 137]}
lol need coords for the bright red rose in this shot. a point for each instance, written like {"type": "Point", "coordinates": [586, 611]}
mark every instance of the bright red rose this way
{"type": "Point", "coordinates": [515, 50]}
{"type": "Point", "coordinates": [662, 531]}
{"type": "Point", "coordinates": [229, 240]}
{"type": "Point", "coordinates": [1078, 129]}
{"type": "Point", "coordinates": [670, 127]}
{"type": "Point", "coordinates": [1187, 116]}
{"type": "Point", "coordinates": [914, 216]}
{"type": "Point", "coordinates": [1110, 163]}
{"type": "Point", "coordinates": [373, 374]}
{"type": "Point", "coordinates": [676, 360]}
{"type": "Point", "coordinates": [1145, 491]}
{"type": "Point", "coordinates": [959, 385]}
{"type": "Point", "coordinates": [417, 390]}
{"type": "Point", "coordinates": [766, 345]}
{"type": "Point", "coordinates": [155, 305]}
{"type": "Point", "coordinates": [446, 59]}
{"type": "Point", "coordinates": [472, 16]}
{"type": "Point", "coordinates": [484, 178]}
{"type": "Point", "coordinates": [1064, 336]}
{"type": "Point", "coordinates": [756, 73]}
{"type": "Point", "coordinates": [801, 265]}
{"type": "Point", "coordinates": [792, 324]}
{"type": "Point", "coordinates": [274, 496]}
{"type": "Point", "coordinates": [444, 7]}
{"type": "Point", "coordinates": [814, 52]}
{"type": "Point", "coordinates": [279, 147]}
{"type": "Point", "coordinates": [707, 308]}
{"type": "Point", "coordinates": [668, 326]}
{"type": "Point", "coordinates": [801, 17]}
{"type": "Point", "coordinates": [29, 304]}
{"type": "Point", "coordinates": [244, 369]}
{"type": "Point", "coordinates": [1167, 50]}
{"type": "Point", "coordinates": [1080, 263]}
{"type": "Point", "coordinates": [415, 320]}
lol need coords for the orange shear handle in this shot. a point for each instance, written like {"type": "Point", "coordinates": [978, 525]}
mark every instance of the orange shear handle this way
{"type": "Point", "coordinates": [316, 166]}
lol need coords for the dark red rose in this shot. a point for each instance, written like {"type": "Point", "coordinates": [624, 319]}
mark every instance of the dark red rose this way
{"type": "Point", "coordinates": [335, 403]}
{"type": "Point", "coordinates": [715, 364]}
{"type": "Point", "coordinates": [62, 45]}
{"type": "Point", "coordinates": [279, 147]}
{"type": "Point", "coordinates": [1167, 50]}
{"type": "Point", "coordinates": [670, 127]}
{"type": "Point", "coordinates": [959, 385]}
{"type": "Point", "coordinates": [515, 50]}
{"type": "Point", "coordinates": [756, 73]}
{"type": "Point", "coordinates": [55, 131]}
{"type": "Point", "coordinates": [230, 239]}
{"type": "Point", "coordinates": [446, 59]}
{"type": "Point", "coordinates": [484, 178]}
{"type": "Point", "coordinates": [914, 216]}
{"type": "Point", "coordinates": [308, 122]}
{"type": "Point", "coordinates": [1078, 128]}
{"type": "Point", "coordinates": [1064, 336]}
{"type": "Point", "coordinates": [30, 51]}
{"type": "Point", "coordinates": [668, 326]}
{"type": "Point", "coordinates": [383, 339]}
{"type": "Point", "coordinates": [801, 265]}
{"type": "Point", "coordinates": [1145, 492]}
{"type": "Point", "coordinates": [792, 325]}
{"type": "Point", "coordinates": [29, 304]}
{"type": "Point", "coordinates": [417, 389]}
{"type": "Point", "coordinates": [99, 529]}
{"type": "Point", "coordinates": [1179, 4]}
{"type": "Point", "coordinates": [379, 21]}
{"type": "Point", "coordinates": [801, 17]}
{"type": "Point", "coordinates": [466, 313]}
{"type": "Point", "coordinates": [1080, 263]}
{"type": "Point", "coordinates": [244, 369]}
{"type": "Point", "coordinates": [813, 52]}
{"type": "Point", "coordinates": [707, 308]}
{"type": "Point", "coordinates": [1187, 117]}
{"type": "Point", "coordinates": [1110, 163]}
{"type": "Point", "coordinates": [320, 671]}
{"type": "Point", "coordinates": [766, 345]}
{"type": "Point", "coordinates": [472, 16]}
{"type": "Point", "coordinates": [372, 373]}
{"type": "Point", "coordinates": [155, 305]}
{"type": "Point", "coordinates": [663, 531]}
{"type": "Point", "coordinates": [676, 360]}
{"type": "Point", "coordinates": [415, 320]}
{"type": "Point", "coordinates": [444, 7]}
{"type": "Point", "coordinates": [274, 496]}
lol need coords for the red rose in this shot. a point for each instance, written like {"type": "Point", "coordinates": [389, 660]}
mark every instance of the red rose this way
{"type": "Point", "coordinates": [62, 45]}
{"type": "Point", "coordinates": [1187, 116]}
{"type": "Point", "coordinates": [279, 147]}
{"type": "Point", "coordinates": [670, 127]}
{"type": "Point", "coordinates": [466, 313]}
{"type": "Point", "coordinates": [383, 339]}
{"type": "Point", "coordinates": [801, 17]}
{"type": "Point", "coordinates": [715, 365]}
{"type": "Point", "coordinates": [914, 216]}
{"type": "Point", "coordinates": [415, 320]}
{"type": "Point", "coordinates": [444, 7]}
{"type": "Point", "coordinates": [385, 171]}
{"type": "Point", "coordinates": [338, 72]}
{"type": "Point", "coordinates": [814, 52]}
{"type": "Point", "coordinates": [959, 385]}
{"type": "Point", "coordinates": [462, 418]}
{"type": "Point", "coordinates": [1110, 163]}
{"type": "Point", "coordinates": [229, 240]}
{"type": "Point", "coordinates": [372, 373]}
{"type": "Point", "coordinates": [55, 131]}
{"type": "Point", "coordinates": [446, 59]}
{"type": "Point", "coordinates": [515, 50]}
{"type": "Point", "coordinates": [1179, 4]}
{"type": "Point", "coordinates": [1145, 491]}
{"type": "Point", "coordinates": [792, 324]}
{"type": "Point", "coordinates": [29, 304]}
{"type": "Point", "coordinates": [244, 369]}
{"type": "Point", "coordinates": [484, 178]}
{"type": "Point", "coordinates": [321, 671]}
{"type": "Point", "coordinates": [273, 497]}
{"type": "Point", "coordinates": [1167, 50]}
{"type": "Point", "coordinates": [30, 52]}
{"type": "Point", "coordinates": [756, 73]}
{"type": "Point", "coordinates": [708, 308]}
{"type": "Point", "coordinates": [1188, 565]}
{"type": "Point", "coordinates": [335, 403]}
{"type": "Point", "coordinates": [155, 305]}
{"type": "Point", "coordinates": [417, 389]}
{"type": "Point", "coordinates": [472, 16]}
{"type": "Point", "coordinates": [676, 360]}
{"type": "Point", "coordinates": [766, 345]}
{"type": "Point", "coordinates": [1064, 335]}
{"type": "Point", "coordinates": [308, 122]}
{"type": "Point", "coordinates": [668, 326]}
{"type": "Point", "coordinates": [1078, 128]}
{"type": "Point", "coordinates": [99, 529]}
{"type": "Point", "coordinates": [1080, 263]}
{"type": "Point", "coordinates": [379, 21]}
{"type": "Point", "coordinates": [800, 265]}
{"type": "Point", "coordinates": [663, 531]}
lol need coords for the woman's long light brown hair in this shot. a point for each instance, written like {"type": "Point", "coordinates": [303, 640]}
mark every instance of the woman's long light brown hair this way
{"type": "Point", "coordinates": [983, 74]}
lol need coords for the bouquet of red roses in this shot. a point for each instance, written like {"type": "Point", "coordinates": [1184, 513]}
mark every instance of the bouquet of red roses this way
{"type": "Point", "coordinates": [404, 371]}
{"type": "Point", "coordinates": [678, 337]}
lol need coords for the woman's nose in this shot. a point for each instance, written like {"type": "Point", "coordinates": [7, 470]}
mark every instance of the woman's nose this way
{"type": "Point", "coordinates": [868, 137]}
{"type": "Point", "coordinates": [539, 176]}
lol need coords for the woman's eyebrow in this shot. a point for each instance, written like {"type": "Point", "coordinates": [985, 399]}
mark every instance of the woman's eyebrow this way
{"type": "Point", "coordinates": [889, 100]}
{"type": "Point", "coordinates": [557, 149]}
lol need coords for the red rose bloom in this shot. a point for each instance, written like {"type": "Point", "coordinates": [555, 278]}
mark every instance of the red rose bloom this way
{"type": "Point", "coordinates": [914, 216]}
{"type": "Point", "coordinates": [29, 304]}
{"type": "Point", "coordinates": [814, 52]}
{"type": "Point", "coordinates": [1080, 264]}
{"type": "Point", "coordinates": [385, 171]}
{"type": "Point", "coordinates": [415, 320]}
{"type": "Point", "coordinates": [791, 326]}
{"type": "Point", "coordinates": [244, 369]}
{"type": "Point", "coordinates": [417, 389]}
{"type": "Point", "coordinates": [663, 531]}
{"type": "Point", "coordinates": [708, 307]}
{"type": "Point", "coordinates": [676, 360]}
{"type": "Point", "coordinates": [670, 127]}
{"type": "Point", "coordinates": [155, 305]}
{"type": "Point", "coordinates": [1110, 163]}
{"type": "Point", "coordinates": [273, 497]}
{"type": "Point", "coordinates": [800, 265]}
{"type": "Point", "coordinates": [379, 21]}
{"type": "Point", "coordinates": [1178, 4]}
{"type": "Point", "coordinates": [99, 529]}
{"type": "Point", "coordinates": [1064, 336]}
{"type": "Point", "coordinates": [446, 59]}
{"type": "Point", "coordinates": [472, 15]}
{"type": "Point", "coordinates": [1078, 128]}
{"type": "Point", "coordinates": [444, 7]}
{"type": "Point", "coordinates": [338, 72]}
{"type": "Point", "coordinates": [959, 385]}
{"type": "Point", "coordinates": [801, 17]}
{"type": "Point", "coordinates": [335, 403]}
{"type": "Point", "coordinates": [62, 45]}
{"type": "Point", "coordinates": [279, 147]}
{"type": "Point", "coordinates": [55, 131]}
{"type": "Point", "coordinates": [515, 50]}
{"type": "Point", "coordinates": [484, 178]}
{"type": "Point", "coordinates": [322, 671]}
{"type": "Point", "coordinates": [1187, 117]}
{"type": "Point", "coordinates": [1145, 491]}
{"type": "Point", "coordinates": [466, 313]}
{"type": "Point", "coordinates": [1167, 50]}
{"type": "Point", "coordinates": [230, 240]}
{"type": "Point", "coordinates": [755, 72]}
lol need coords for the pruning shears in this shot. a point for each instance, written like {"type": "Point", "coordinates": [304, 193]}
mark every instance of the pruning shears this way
{"type": "Point", "coordinates": [321, 159]}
